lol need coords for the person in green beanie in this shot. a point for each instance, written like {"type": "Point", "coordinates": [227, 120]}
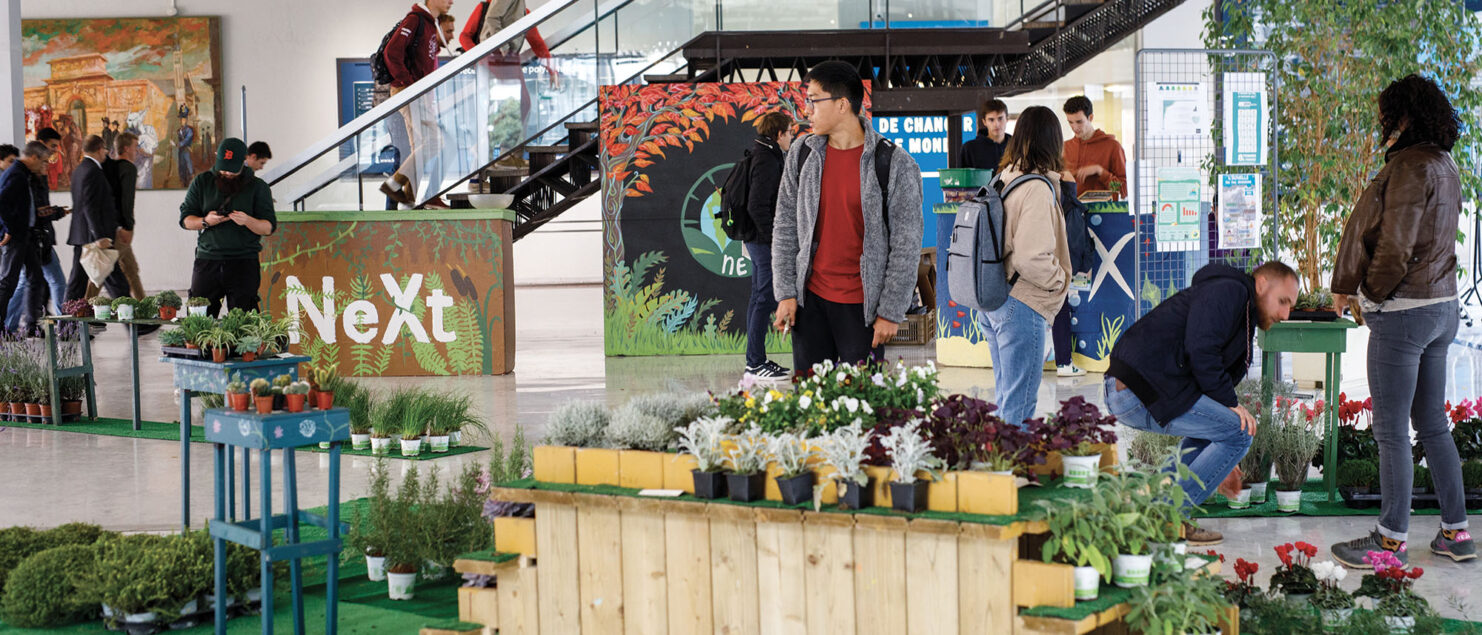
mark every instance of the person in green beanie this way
{"type": "Point", "coordinates": [232, 210]}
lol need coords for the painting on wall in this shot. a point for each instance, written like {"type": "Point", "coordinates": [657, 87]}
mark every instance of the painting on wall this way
{"type": "Point", "coordinates": [158, 78]}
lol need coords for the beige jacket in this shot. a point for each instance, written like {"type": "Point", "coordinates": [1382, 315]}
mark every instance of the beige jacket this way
{"type": "Point", "coordinates": [1037, 250]}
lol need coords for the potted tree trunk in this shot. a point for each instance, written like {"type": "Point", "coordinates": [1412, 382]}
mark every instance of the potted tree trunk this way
{"type": "Point", "coordinates": [746, 461]}
{"type": "Point", "coordinates": [702, 440]}
{"type": "Point", "coordinates": [791, 455]}
{"type": "Point", "coordinates": [844, 450]}
{"type": "Point", "coordinates": [910, 453]}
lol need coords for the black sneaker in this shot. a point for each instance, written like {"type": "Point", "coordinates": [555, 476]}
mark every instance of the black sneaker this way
{"type": "Point", "coordinates": [778, 368]}
{"type": "Point", "coordinates": [766, 371]}
{"type": "Point", "coordinates": [1351, 554]}
{"type": "Point", "coordinates": [1456, 545]}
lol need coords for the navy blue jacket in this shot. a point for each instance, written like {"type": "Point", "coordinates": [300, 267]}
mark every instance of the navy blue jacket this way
{"type": "Point", "coordinates": [16, 201]}
{"type": "Point", "coordinates": [1196, 343]}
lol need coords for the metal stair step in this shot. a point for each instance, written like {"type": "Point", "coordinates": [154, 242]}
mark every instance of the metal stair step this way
{"type": "Point", "coordinates": [547, 149]}
{"type": "Point", "coordinates": [583, 126]}
{"type": "Point", "coordinates": [679, 78]}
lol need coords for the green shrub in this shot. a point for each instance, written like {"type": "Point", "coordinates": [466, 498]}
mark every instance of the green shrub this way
{"type": "Point", "coordinates": [145, 573]}
{"type": "Point", "coordinates": [582, 424]}
{"type": "Point", "coordinates": [648, 422]}
{"type": "Point", "coordinates": [1358, 474]}
{"type": "Point", "coordinates": [42, 590]}
{"type": "Point", "coordinates": [1471, 475]}
{"type": "Point", "coordinates": [1422, 478]}
{"type": "Point", "coordinates": [19, 543]}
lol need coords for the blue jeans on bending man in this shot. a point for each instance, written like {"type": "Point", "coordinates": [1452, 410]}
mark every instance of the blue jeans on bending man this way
{"type": "Point", "coordinates": [1213, 441]}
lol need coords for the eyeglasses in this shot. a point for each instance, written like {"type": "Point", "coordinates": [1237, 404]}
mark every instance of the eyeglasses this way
{"type": "Point", "coordinates": [813, 103]}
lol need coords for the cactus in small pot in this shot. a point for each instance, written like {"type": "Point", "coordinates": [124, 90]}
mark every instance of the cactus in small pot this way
{"type": "Point", "coordinates": [262, 395]}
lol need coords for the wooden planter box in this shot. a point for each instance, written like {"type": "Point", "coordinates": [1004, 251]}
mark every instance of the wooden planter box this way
{"type": "Point", "coordinates": [639, 469]}
{"type": "Point", "coordinates": [514, 535]}
{"type": "Point", "coordinates": [679, 472]}
{"type": "Point", "coordinates": [554, 464]}
{"type": "Point", "coordinates": [597, 466]}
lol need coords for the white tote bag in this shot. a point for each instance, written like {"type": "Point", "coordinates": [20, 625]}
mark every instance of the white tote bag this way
{"type": "Point", "coordinates": [98, 262]}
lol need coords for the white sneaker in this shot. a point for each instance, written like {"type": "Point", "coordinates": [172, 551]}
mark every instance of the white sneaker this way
{"type": "Point", "coordinates": [1069, 370]}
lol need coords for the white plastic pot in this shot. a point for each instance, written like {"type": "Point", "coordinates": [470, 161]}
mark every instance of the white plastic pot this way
{"type": "Point", "coordinates": [150, 618]}
{"type": "Point", "coordinates": [1400, 624]}
{"type": "Point", "coordinates": [195, 310]}
{"type": "Point", "coordinates": [1288, 501]}
{"type": "Point", "coordinates": [360, 441]}
{"type": "Point", "coordinates": [103, 312]}
{"type": "Point", "coordinates": [411, 447]}
{"type": "Point", "coordinates": [380, 445]}
{"type": "Point", "coordinates": [1171, 553]}
{"type": "Point", "coordinates": [439, 443]}
{"type": "Point", "coordinates": [1130, 571]}
{"type": "Point", "coordinates": [324, 445]}
{"type": "Point", "coordinates": [126, 312]}
{"type": "Point", "coordinates": [1242, 500]}
{"type": "Point", "coordinates": [455, 438]}
{"type": "Point", "coordinates": [1081, 471]}
{"type": "Point", "coordinates": [375, 568]}
{"type": "Point", "coordinates": [1087, 583]}
{"type": "Point", "coordinates": [401, 586]}
{"type": "Point", "coordinates": [1258, 493]}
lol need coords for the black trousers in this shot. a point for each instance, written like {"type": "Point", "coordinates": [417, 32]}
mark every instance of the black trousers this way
{"type": "Point", "coordinates": [830, 330]}
{"type": "Point", "coordinates": [116, 284]}
{"type": "Point", "coordinates": [234, 280]}
{"type": "Point", "coordinates": [17, 256]}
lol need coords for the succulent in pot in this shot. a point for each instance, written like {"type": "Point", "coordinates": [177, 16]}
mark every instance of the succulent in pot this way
{"type": "Point", "coordinates": [262, 395]}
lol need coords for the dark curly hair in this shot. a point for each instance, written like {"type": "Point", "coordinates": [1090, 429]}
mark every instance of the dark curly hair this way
{"type": "Point", "coordinates": [1424, 105]}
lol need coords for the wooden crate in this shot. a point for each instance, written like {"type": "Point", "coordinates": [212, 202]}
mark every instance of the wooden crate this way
{"type": "Point", "coordinates": [918, 329]}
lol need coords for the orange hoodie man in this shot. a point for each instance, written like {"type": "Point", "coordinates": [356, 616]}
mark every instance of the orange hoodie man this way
{"type": "Point", "coordinates": [1094, 157]}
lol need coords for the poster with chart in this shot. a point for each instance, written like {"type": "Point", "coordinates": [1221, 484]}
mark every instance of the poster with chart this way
{"type": "Point", "coordinates": [1245, 119]}
{"type": "Point", "coordinates": [1178, 219]}
{"type": "Point", "coordinates": [1239, 214]}
{"type": "Point", "coordinates": [1178, 109]}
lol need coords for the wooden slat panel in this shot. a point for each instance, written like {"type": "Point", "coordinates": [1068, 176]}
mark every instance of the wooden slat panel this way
{"type": "Point", "coordinates": [600, 568]}
{"type": "Point", "coordinates": [555, 538]}
{"type": "Point", "coordinates": [1043, 584]}
{"type": "Point", "coordinates": [733, 575]}
{"type": "Point", "coordinates": [931, 577]}
{"type": "Point", "coordinates": [645, 583]}
{"type": "Point", "coordinates": [479, 605]}
{"type": "Point", "coordinates": [829, 574]}
{"type": "Point", "coordinates": [985, 602]}
{"type": "Point", "coordinates": [880, 576]}
{"type": "Point", "coordinates": [780, 557]}
{"type": "Point", "coordinates": [519, 610]}
{"type": "Point", "coordinates": [514, 535]}
{"type": "Point", "coordinates": [687, 552]}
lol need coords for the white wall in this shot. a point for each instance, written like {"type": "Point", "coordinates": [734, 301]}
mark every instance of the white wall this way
{"type": "Point", "coordinates": [284, 52]}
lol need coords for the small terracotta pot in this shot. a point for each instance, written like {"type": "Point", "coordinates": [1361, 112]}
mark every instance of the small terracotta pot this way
{"type": "Point", "coordinates": [325, 400]}
{"type": "Point", "coordinates": [168, 313]}
{"type": "Point", "coordinates": [46, 410]}
{"type": "Point", "coordinates": [249, 356]}
{"type": "Point", "coordinates": [314, 396]}
{"type": "Point", "coordinates": [33, 409]}
{"type": "Point", "coordinates": [17, 408]}
{"type": "Point", "coordinates": [295, 403]}
{"type": "Point", "coordinates": [238, 401]}
{"type": "Point", "coordinates": [264, 404]}
{"type": "Point", "coordinates": [73, 407]}
{"type": "Point", "coordinates": [218, 355]}
{"type": "Point", "coordinates": [191, 346]}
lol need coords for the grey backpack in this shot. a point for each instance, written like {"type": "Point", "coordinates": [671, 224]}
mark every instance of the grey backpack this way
{"type": "Point", "coordinates": [976, 255]}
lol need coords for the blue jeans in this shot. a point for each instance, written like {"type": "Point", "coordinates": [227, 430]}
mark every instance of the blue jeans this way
{"type": "Point", "coordinates": [1213, 442]}
{"type": "Point", "coordinates": [1016, 340]}
{"type": "Point", "coordinates": [763, 303]}
{"type": "Point", "coordinates": [1407, 376]}
{"type": "Point", "coordinates": [55, 280]}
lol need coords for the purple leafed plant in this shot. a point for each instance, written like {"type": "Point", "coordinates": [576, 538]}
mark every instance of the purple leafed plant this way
{"type": "Point", "coordinates": [1076, 429]}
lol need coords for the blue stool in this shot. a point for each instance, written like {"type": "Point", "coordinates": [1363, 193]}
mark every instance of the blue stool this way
{"type": "Point", "coordinates": [265, 433]}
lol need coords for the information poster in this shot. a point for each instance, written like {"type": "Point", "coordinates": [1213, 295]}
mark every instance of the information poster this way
{"type": "Point", "coordinates": [1239, 214]}
{"type": "Point", "coordinates": [1245, 119]}
{"type": "Point", "coordinates": [1178, 206]}
{"type": "Point", "coordinates": [1178, 109]}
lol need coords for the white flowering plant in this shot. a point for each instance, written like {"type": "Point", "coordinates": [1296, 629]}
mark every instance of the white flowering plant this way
{"type": "Point", "coordinates": [845, 450]}
{"type": "Point", "coordinates": [749, 456]}
{"type": "Point", "coordinates": [910, 452]}
{"type": "Point", "coordinates": [702, 439]}
{"type": "Point", "coordinates": [1329, 595]}
{"type": "Point", "coordinates": [790, 452]}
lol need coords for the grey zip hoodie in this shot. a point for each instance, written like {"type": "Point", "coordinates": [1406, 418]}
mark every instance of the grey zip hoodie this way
{"type": "Point", "coordinates": [888, 272]}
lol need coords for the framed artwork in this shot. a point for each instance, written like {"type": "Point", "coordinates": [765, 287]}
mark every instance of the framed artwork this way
{"type": "Point", "coordinates": [158, 78]}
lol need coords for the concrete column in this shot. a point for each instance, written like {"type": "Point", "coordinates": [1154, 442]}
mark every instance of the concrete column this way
{"type": "Point", "coordinates": [12, 84]}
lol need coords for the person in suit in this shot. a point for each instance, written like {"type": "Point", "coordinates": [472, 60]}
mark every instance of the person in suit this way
{"type": "Point", "coordinates": [122, 179]}
{"type": "Point", "coordinates": [17, 215]}
{"type": "Point", "coordinates": [94, 218]}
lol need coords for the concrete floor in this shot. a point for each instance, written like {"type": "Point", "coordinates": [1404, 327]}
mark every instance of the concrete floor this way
{"type": "Point", "coordinates": [134, 485]}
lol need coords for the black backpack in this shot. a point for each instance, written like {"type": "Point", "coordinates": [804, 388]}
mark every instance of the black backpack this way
{"type": "Point", "coordinates": [884, 152]}
{"type": "Point", "coordinates": [735, 221]}
{"type": "Point", "coordinates": [379, 71]}
{"type": "Point", "coordinates": [1077, 233]}
{"type": "Point", "coordinates": [478, 18]}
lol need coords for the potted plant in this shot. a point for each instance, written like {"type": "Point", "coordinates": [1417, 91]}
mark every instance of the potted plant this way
{"type": "Point", "coordinates": [173, 338]}
{"type": "Point", "coordinates": [910, 453]}
{"type": "Point", "coordinates": [1244, 588]}
{"type": "Point", "coordinates": [746, 462]}
{"type": "Point", "coordinates": [702, 440]}
{"type": "Point", "coordinates": [844, 450]}
{"type": "Point", "coordinates": [441, 417]}
{"type": "Point", "coordinates": [1079, 433]}
{"type": "Point", "coordinates": [1128, 496]}
{"type": "Point", "coordinates": [1314, 305]}
{"type": "Point", "coordinates": [169, 304]}
{"type": "Point", "coordinates": [1335, 604]}
{"type": "Point", "coordinates": [413, 425]}
{"type": "Point", "coordinates": [218, 341]}
{"type": "Point", "coordinates": [247, 346]}
{"type": "Point", "coordinates": [1080, 537]}
{"type": "Point", "coordinates": [1295, 577]}
{"type": "Point", "coordinates": [294, 395]}
{"type": "Point", "coordinates": [1471, 478]}
{"type": "Point", "coordinates": [1391, 587]}
{"type": "Point", "coordinates": [1422, 482]}
{"type": "Point", "coordinates": [361, 405]}
{"type": "Point", "coordinates": [102, 307]}
{"type": "Point", "coordinates": [124, 307]}
{"type": "Point", "coordinates": [1360, 477]}
{"type": "Point", "coordinates": [1293, 441]}
{"type": "Point", "coordinates": [1255, 470]}
{"type": "Point", "coordinates": [196, 306]}
{"type": "Point", "coordinates": [279, 384]}
{"type": "Point", "coordinates": [325, 379]}
{"type": "Point", "coordinates": [1178, 604]}
{"type": "Point", "coordinates": [406, 539]}
{"type": "Point", "coordinates": [192, 326]}
{"type": "Point", "coordinates": [262, 395]}
{"type": "Point", "coordinates": [73, 388]}
{"type": "Point", "coordinates": [791, 454]}
{"type": "Point", "coordinates": [236, 393]}
{"type": "Point", "coordinates": [461, 417]}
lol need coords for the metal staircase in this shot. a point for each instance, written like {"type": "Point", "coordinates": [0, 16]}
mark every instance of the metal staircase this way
{"type": "Point", "coordinates": [913, 70]}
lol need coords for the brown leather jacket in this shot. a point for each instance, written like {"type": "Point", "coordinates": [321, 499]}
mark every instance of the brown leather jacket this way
{"type": "Point", "coordinates": [1400, 240]}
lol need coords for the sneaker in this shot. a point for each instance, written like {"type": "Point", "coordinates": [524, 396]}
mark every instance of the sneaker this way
{"type": "Point", "coordinates": [1455, 544]}
{"type": "Point", "coordinates": [778, 368]}
{"type": "Point", "coordinates": [1069, 370]}
{"type": "Point", "coordinates": [765, 372]}
{"type": "Point", "coordinates": [1199, 537]}
{"type": "Point", "coordinates": [1351, 554]}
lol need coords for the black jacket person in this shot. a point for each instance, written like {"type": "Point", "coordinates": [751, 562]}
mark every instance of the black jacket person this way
{"type": "Point", "coordinates": [232, 210]}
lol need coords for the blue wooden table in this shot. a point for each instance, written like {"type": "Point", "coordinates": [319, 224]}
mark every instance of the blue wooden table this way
{"type": "Point", "coordinates": [205, 376]}
{"type": "Point", "coordinates": [281, 431]}
{"type": "Point", "coordinates": [84, 368]}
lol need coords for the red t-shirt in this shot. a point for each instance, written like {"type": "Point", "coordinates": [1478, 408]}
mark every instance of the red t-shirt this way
{"type": "Point", "coordinates": [840, 230]}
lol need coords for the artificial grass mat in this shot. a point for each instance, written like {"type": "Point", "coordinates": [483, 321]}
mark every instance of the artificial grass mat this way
{"type": "Point", "coordinates": [171, 432]}
{"type": "Point", "coordinates": [1107, 597]}
{"type": "Point", "coordinates": [1314, 503]}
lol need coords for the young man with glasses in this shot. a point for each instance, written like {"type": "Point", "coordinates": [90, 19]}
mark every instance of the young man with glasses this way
{"type": "Point", "coordinates": [847, 235]}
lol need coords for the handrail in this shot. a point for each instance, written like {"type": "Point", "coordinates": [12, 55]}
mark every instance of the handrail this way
{"type": "Point", "coordinates": [459, 64]}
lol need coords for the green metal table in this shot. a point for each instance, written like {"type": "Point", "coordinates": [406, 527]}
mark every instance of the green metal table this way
{"type": "Point", "coordinates": [1330, 339]}
{"type": "Point", "coordinates": [85, 368]}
